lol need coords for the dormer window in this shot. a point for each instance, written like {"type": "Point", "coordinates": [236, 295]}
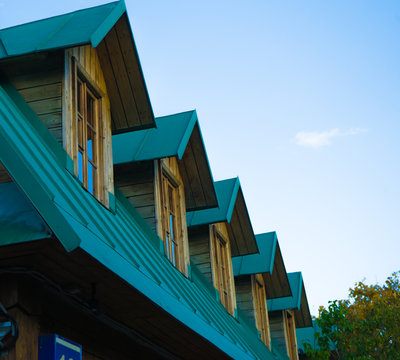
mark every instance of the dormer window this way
{"type": "Point", "coordinates": [171, 213]}
{"type": "Point", "coordinates": [87, 122]}
{"type": "Point", "coordinates": [171, 218]}
{"type": "Point", "coordinates": [260, 307]}
{"type": "Point", "coordinates": [222, 274]}
{"type": "Point", "coordinates": [89, 143]}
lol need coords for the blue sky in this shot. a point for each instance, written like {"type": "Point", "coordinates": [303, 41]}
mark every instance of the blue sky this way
{"type": "Point", "coordinates": [300, 99]}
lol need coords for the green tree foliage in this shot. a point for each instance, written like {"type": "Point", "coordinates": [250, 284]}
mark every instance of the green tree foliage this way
{"type": "Point", "coordinates": [366, 326]}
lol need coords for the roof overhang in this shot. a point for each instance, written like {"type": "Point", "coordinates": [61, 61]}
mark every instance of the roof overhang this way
{"type": "Point", "coordinates": [268, 262]}
{"type": "Point", "coordinates": [297, 302]}
{"type": "Point", "coordinates": [45, 263]}
{"type": "Point", "coordinates": [232, 210]}
{"type": "Point", "coordinates": [106, 28]}
{"type": "Point", "coordinates": [177, 135]}
{"type": "Point", "coordinates": [19, 220]}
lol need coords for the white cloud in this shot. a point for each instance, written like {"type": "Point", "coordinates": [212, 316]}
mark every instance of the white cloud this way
{"type": "Point", "coordinates": [317, 139]}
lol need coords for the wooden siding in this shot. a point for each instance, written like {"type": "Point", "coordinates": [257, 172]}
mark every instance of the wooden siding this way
{"type": "Point", "coordinates": [277, 327]}
{"type": "Point", "coordinates": [38, 310]}
{"type": "Point", "coordinates": [130, 103]}
{"type": "Point", "coordinates": [283, 331]}
{"type": "Point", "coordinates": [244, 296]}
{"type": "Point", "coordinates": [199, 246]}
{"type": "Point", "coordinates": [196, 174]}
{"type": "Point", "coordinates": [136, 181]}
{"type": "Point", "coordinates": [38, 78]}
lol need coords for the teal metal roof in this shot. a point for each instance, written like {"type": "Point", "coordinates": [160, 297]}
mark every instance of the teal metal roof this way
{"type": "Point", "coordinates": [81, 27]}
{"type": "Point", "coordinates": [289, 302]}
{"type": "Point", "coordinates": [227, 192]}
{"type": "Point", "coordinates": [268, 262]}
{"type": "Point", "coordinates": [95, 26]}
{"type": "Point", "coordinates": [306, 335]}
{"type": "Point", "coordinates": [232, 210]}
{"type": "Point", "coordinates": [262, 262]}
{"type": "Point", "coordinates": [175, 135]}
{"type": "Point", "coordinates": [297, 302]}
{"type": "Point", "coordinates": [19, 220]}
{"type": "Point", "coordinates": [119, 239]}
{"type": "Point", "coordinates": [169, 138]}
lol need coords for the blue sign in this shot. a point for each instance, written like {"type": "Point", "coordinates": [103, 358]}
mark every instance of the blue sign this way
{"type": "Point", "coordinates": [55, 347]}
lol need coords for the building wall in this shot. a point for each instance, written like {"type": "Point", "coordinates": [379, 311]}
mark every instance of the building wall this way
{"type": "Point", "coordinates": [38, 78]}
{"type": "Point", "coordinates": [38, 310]}
{"type": "Point", "coordinates": [136, 181]}
{"type": "Point", "coordinates": [199, 246]}
{"type": "Point", "coordinates": [244, 296]}
{"type": "Point", "coordinates": [277, 328]}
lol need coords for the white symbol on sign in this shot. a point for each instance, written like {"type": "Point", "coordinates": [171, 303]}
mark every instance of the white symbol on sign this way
{"type": "Point", "coordinates": [63, 358]}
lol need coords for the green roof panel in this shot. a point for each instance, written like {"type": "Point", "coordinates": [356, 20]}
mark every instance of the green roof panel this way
{"type": "Point", "coordinates": [289, 302]}
{"type": "Point", "coordinates": [169, 138]}
{"type": "Point", "coordinates": [76, 28]}
{"type": "Point", "coordinates": [227, 191]}
{"type": "Point", "coordinates": [257, 263]}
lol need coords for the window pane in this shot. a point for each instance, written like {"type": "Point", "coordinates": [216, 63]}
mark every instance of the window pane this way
{"type": "Point", "coordinates": [80, 166]}
{"type": "Point", "coordinates": [79, 97]}
{"type": "Point", "coordinates": [80, 133]}
{"type": "Point", "coordinates": [173, 254]}
{"type": "Point", "coordinates": [90, 185]}
{"type": "Point", "coordinates": [90, 109]}
{"type": "Point", "coordinates": [171, 224]}
{"type": "Point", "coordinates": [167, 245]}
{"type": "Point", "coordinates": [91, 146]}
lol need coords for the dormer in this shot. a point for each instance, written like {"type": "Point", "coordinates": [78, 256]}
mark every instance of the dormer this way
{"type": "Point", "coordinates": [288, 313]}
{"type": "Point", "coordinates": [84, 83]}
{"type": "Point", "coordinates": [216, 234]}
{"type": "Point", "coordinates": [259, 277]}
{"type": "Point", "coordinates": [164, 173]}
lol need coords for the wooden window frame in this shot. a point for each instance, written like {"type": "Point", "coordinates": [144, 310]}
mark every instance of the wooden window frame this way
{"type": "Point", "coordinates": [290, 334]}
{"type": "Point", "coordinates": [83, 127]}
{"type": "Point", "coordinates": [260, 309]}
{"type": "Point", "coordinates": [221, 273]}
{"type": "Point", "coordinates": [171, 218]}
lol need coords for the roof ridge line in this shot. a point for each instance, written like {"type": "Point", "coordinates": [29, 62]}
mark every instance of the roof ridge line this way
{"type": "Point", "coordinates": [108, 23]}
{"type": "Point", "coordinates": [55, 31]}
{"type": "Point", "coordinates": [233, 199]}
{"type": "Point", "coordinates": [186, 135]}
{"type": "Point", "coordinates": [274, 250]}
{"type": "Point", "coordinates": [142, 143]}
{"type": "Point", "coordinates": [56, 16]}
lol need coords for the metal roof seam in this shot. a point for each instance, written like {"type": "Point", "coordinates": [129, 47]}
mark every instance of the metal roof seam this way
{"type": "Point", "coordinates": [41, 46]}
